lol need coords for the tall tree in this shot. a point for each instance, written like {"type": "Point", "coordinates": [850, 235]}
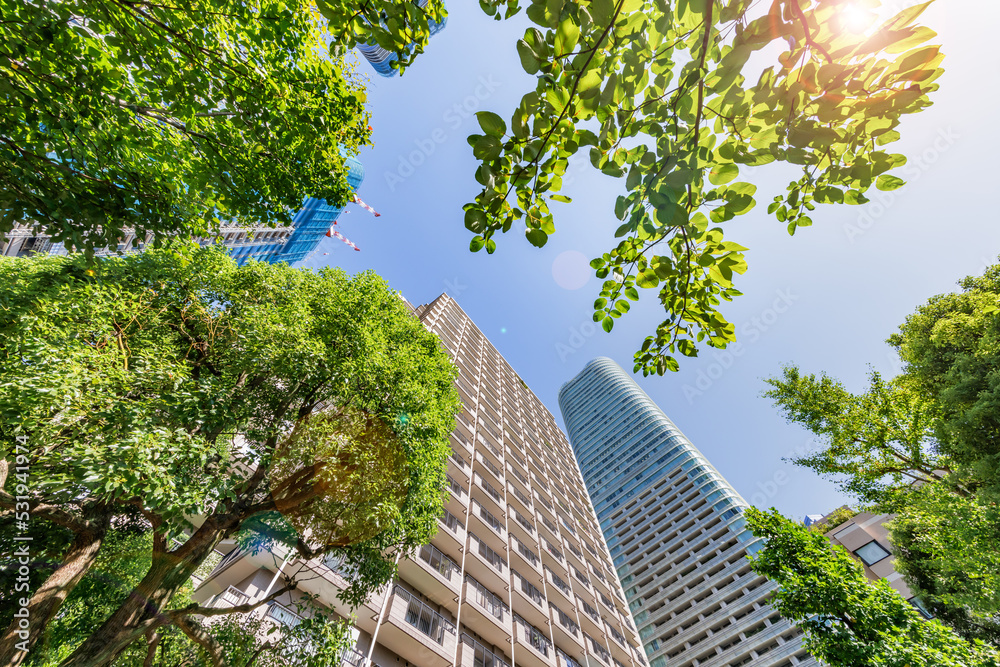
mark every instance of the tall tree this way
{"type": "Point", "coordinates": [670, 96]}
{"type": "Point", "coordinates": [850, 621]}
{"type": "Point", "coordinates": [168, 118]}
{"type": "Point", "coordinates": [181, 385]}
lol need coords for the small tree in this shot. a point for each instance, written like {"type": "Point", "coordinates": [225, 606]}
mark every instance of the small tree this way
{"type": "Point", "coordinates": [205, 395]}
{"type": "Point", "coordinates": [850, 621]}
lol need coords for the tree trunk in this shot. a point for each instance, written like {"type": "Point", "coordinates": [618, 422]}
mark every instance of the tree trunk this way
{"type": "Point", "coordinates": [140, 612]}
{"type": "Point", "coordinates": [16, 643]}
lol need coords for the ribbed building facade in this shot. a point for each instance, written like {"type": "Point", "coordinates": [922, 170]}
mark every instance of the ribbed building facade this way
{"type": "Point", "coordinates": [518, 574]}
{"type": "Point", "coordinates": [675, 530]}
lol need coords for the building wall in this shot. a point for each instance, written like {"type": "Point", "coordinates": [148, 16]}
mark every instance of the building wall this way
{"type": "Point", "coordinates": [867, 538]}
{"type": "Point", "coordinates": [675, 530]}
{"type": "Point", "coordinates": [518, 572]}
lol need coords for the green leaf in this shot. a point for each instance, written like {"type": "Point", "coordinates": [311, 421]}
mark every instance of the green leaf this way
{"type": "Point", "coordinates": [607, 324]}
{"type": "Point", "coordinates": [566, 36]}
{"type": "Point", "coordinates": [536, 237]}
{"type": "Point", "coordinates": [491, 123]}
{"type": "Point", "coordinates": [477, 243]}
{"type": "Point", "coordinates": [722, 174]}
{"type": "Point", "coordinates": [887, 182]}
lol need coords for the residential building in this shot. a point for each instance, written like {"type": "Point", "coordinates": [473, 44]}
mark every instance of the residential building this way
{"type": "Point", "coordinates": [675, 530]}
{"type": "Point", "coordinates": [867, 538]}
{"type": "Point", "coordinates": [381, 59]}
{"type": "Point", "coordinates": [518, 574]}
{"type": "Point", "coordinates": [290, 244]}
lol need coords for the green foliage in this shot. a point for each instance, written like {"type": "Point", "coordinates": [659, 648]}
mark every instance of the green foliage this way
{"type": "Point", "coordinates": [850, 621]}
{"type": "Point", "coordinates": [876, 444]}
{"type": "Point", "coordinates": [180, 384]}
{"type": "Point", "coordinates": [951, 352]}
{"type": "Point", "coordinates": [660, 94]}
{"type": "Point", "coordinates": [833, 519]}
{"type": "Point", "coordinates": [169, 118]}
{"type": "Point", "coordinates": [924, 447]}
{"type": "Point", "coordinates": [400, 27]}
{"type": "Point", "coordinates": [947, 548]}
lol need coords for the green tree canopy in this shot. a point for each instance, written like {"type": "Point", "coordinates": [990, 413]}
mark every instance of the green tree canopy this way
{"type": "Point", "coordinates": [670, 97]}
{"type": "Point", "coordinates": [207, 395]}
{"type": "Point", "coordinates": [950, 348]}
{"type": "Point", "coordinates": [168, 118]}
{"type": "Point", "coordinates": [850, 621]}
{"type": "Point", "coordinates": [923, 446]}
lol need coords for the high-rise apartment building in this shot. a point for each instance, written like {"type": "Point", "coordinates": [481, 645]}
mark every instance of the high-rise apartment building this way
{"type": "Point", "coordinates": [289, 244]}
{"type": "Point", "coordinates": [518, 574]}
{"type": "Point", "coordinates": [675, 530]}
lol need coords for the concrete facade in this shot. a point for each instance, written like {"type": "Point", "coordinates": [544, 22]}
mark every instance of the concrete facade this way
{"type": "Point", "coordinates": [518, 574]}
{"type": "Point", "coordinates": [675, 530]}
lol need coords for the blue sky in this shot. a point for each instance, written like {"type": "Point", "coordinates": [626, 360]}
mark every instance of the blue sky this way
{"type": "Point", "coordinates": [825, 299]}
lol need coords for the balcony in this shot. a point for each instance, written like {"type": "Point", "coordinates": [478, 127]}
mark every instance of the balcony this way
{"type": "Point", "coordinates": [486, 614]}
{"type": "Point", "coordinates": [487, 565]}
{"type": "Point", "coordinates": [493, 531]}
{"type": "Point", "coordinates": [351, 657]}
{"type": "Point", "coordinates": [486, 492]}
{"type": "Point", "coordinates": [457, 501]}
{"type": "Point", "coordinates": [531, 647]}
{"type": "Point", "coordinates": [589, 616]}
{"type": "Point", "coordinates": [525, 501]}
{"type": "Point", "coordinates": [566, 632]}
{"type": "Point", "coordinates": [527, 599]}
{"type": "Point", "coordinates": [619, 645]}
{"type": "Point", "coordinates": [556, 582]}
{"type": "Point", "coordinates": [523, 527]}
{"type": "Point", "coordinates": [565, 660]}
{"type": "Point", "coordinates": [596, 650]}
{"type": "Point", "coordinates": [450, 537]}
{"type": "Point", "coordinates": [434, 573]}
{"type": "Point", "coordinates": [409, 619]}
{"type": "Point", "coordinates": [526, 554]}
{"type": "Point", "coordinates": [473, 654]}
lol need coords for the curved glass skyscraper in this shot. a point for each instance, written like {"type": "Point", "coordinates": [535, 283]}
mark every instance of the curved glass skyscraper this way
{"type": "Point", "coordinates": [675, 530]}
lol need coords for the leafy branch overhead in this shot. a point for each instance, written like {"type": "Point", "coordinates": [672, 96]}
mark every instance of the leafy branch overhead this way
{"type": "Point", "coordinates": [662, 95]}
{"type": "Point", "coordinates": [169, 119]}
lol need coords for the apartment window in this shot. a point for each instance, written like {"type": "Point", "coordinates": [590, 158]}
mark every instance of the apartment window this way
{"type": "Point", "coordinates": [871, 553]}
{"type": "Point", "coordinates": [482, 656]}
{"type": "Point", "coordinates": [920, 606]}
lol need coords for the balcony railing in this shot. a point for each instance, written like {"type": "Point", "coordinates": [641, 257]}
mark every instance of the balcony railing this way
{"type": "Point", "coordinates": [487, 517]}
{"type": "Point", "coordinates": [231, 597]}
{"type": "Point", "coordinates": [456, 488]}
{"type": "Point", "coordinates": [489, 466]}
{"type": "Point", "coordinates": [488, 600]}
{"type": "Point", "coordinates": [492, 557]}
{"type": "Point", "coordinates": [451, 522]}
{"type": "Point", "coordinates": [590, 611]}
{"type": "Point", "coordinates": [489, 488]}
{"type": "Point", "coordinates": [548, 524]}
{"type": "Point", "coordinates": [560, 584]}
{"type": "Point", "coordinates": [579, 575]}
{"type": "Point", "coordinates": [523, 549]}
{"type": "Point", "coordinates": [602, 652]}
{"type": "Point", "coordinates": [444, 566]}
{"type": "Point", "coordinates": [352, 658]}
{"type": "Point", "coordinates": [482, 656]}
{"type": "Point", "coordinates": [533, 636]}
{"type": "Point", "coordinates": [520, 496]}
{"type": "Point", "coordinates": [459, 460]}
{"type": "Point", "coordinates": [529, 589]}
{"type": "Point", "coordinates": [568, 661]}
{"type": "Point", "coordinates": [552, 550]}
{"type": "Point", "coordinates": [617, 635]}
{"type": "Point", "coordinates": [524, 522]}
{"type": "Point", "coordinates": [566, 621]}
{"type": "Point", "coordinates": [282, 614]}
{"type": "Point", "coordinates": [423, 618]}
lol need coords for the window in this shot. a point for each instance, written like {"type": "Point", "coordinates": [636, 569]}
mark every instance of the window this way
{"type": "Point", "coordinates": [921, 607]}
{"type": "Point", "coordinates": [871, 553]}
